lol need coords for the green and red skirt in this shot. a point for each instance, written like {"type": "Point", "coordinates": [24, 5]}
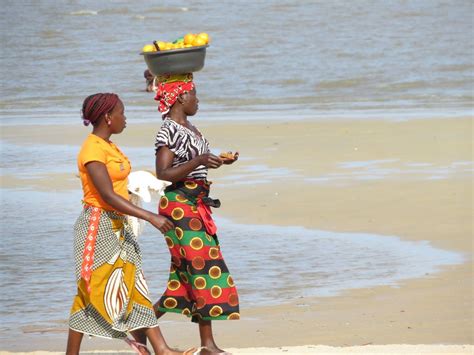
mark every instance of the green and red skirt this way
{"type": "Point", "coordinates": [199, 285]}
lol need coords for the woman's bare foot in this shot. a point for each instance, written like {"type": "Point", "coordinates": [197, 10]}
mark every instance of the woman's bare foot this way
{"type": "Point", "coordinates": [177, 352]}
{"type": "Point", "coordinates": [213, 350]}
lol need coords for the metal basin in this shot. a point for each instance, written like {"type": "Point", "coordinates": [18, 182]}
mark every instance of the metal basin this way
{"type": "Point", "coordinates": [176, 61]}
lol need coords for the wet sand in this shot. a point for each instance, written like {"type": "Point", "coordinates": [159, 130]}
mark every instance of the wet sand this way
{"type": "Point", "coordinates": [316, 191]}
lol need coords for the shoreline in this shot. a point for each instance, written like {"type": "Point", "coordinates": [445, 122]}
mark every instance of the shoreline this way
{"type": "Point", "coordinates": [403, 203]}
{"type": "Point", "coordinates": [149, 116]}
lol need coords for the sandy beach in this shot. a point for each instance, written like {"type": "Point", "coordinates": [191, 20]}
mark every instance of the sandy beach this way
{"type": "Point", "coordinates": [412, 201]}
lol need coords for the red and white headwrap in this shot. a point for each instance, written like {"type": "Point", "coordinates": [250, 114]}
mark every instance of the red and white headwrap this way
{"type": "Point", "coordinates": [169, 87]}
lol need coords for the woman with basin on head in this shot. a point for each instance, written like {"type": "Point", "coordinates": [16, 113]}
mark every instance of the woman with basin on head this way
{"type": "Point", "coordinates": [200, 285]}
{"type": "Point", "coordinates": [112, 295]}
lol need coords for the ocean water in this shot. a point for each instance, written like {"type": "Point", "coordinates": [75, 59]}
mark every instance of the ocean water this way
{"type": "Point", "coordinates": [267, 58]}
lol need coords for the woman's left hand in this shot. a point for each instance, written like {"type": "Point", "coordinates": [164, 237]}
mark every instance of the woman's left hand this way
{"type": "Point", "coordinates": [230, 161]}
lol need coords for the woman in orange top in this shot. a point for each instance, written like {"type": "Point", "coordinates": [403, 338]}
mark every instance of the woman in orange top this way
{"type": "Point", "coordinates": [112, 295]}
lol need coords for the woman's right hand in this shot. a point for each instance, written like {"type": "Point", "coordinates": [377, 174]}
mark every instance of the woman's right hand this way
{"type": "Point", "coordinates": [160, 222]}
{"type": "Point", "coordinates": [210, 160]}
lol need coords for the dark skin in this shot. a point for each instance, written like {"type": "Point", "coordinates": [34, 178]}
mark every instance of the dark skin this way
{"type": "Point", "coordinates": [149, 80]}
{"type": "Point", "coordinates": [187, 105]}
{"type": "Point", "coordinates": [114, 122]}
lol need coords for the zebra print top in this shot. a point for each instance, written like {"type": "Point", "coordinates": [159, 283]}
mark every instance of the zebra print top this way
{"type": "Point", "coordinates": [185, 144]}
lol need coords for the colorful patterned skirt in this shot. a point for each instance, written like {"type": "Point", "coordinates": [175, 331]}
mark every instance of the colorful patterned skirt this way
{"type": "Point", "coordinates": [200, 285]}
{"type": "Point", "coordinates": [112, 295]}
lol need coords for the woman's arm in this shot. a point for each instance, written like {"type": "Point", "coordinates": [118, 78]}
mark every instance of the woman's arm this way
{"type": "Point", "coordinates": [165, 171]}
{"type": "Point", "coordinates": [101, 180]}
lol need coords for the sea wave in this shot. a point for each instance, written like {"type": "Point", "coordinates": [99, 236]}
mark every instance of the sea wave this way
{"type": "Point", "coordinates": [167, 9]}
{"type": "Point", "coordinates": [84, 13]}
{"type": "Point", "coordinates": [342, 83]}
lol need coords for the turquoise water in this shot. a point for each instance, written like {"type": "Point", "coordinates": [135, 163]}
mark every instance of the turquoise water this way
{"type": "Point", "coordinates": [267, 58]}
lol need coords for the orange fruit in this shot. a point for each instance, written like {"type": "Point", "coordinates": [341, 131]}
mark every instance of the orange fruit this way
{"type": "Point", "coordinates": [204, 36]}
{"type": "Point", "coordinates": [161, 44]}
{"type": "Point", "coordinates": [148, 48]}
{"type": "Point", "coordinates": [198, 41]}
{"type": "Point", "coordinates": [189, 38]}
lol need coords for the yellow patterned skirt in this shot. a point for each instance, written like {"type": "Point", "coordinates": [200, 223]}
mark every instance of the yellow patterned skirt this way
{"type": "Point", "coordinates": [112, 295]}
